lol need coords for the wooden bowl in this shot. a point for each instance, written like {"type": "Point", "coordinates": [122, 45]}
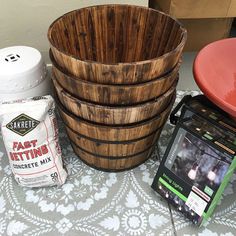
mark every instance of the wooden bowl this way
{"type": "Point", "coordinates": [113, 114]}
{"type": "Point", "coordinates": [113, 149]}
{"type": "Point", "coordinates": [117, 44]}
{"type": "Point", "coordinates": [113, 132]}
{"type": "Point", "coordinates": [114, 94]}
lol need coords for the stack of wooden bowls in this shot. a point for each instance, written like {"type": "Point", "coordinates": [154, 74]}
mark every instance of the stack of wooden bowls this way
{"type": "Point", "coordinates": [115, 71]}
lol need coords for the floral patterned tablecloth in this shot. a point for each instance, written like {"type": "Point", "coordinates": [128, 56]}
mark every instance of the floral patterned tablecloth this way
{"type": "Point", "coordinates": [92, 202]}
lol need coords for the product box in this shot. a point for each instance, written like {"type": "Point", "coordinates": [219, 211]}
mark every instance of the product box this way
{"type": "Point", "coordinates": [204, 31]}
{"type": "Point", "coordinates": [205, 20]}
{"type": "Point", "coordinates": [199, 160]}
{"type": "Point", "coordinates": [192, 9]}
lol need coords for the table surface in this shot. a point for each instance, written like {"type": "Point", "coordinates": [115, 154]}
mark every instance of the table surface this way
{"type": "Point", "coordinates": [92, 202]}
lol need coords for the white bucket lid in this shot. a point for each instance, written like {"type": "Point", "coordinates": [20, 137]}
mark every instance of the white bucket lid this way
{"type": "Point", "coordinates": [44, 88]}
{"type": "Point", "coordinates": [21, 68]}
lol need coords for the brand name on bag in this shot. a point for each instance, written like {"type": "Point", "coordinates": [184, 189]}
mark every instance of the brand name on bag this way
{"type": "Point", "coordinates": [22, 124]}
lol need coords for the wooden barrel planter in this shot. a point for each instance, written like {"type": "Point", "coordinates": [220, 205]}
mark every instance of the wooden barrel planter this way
{"type": "Point", "coordinates": [113, 114]}
{"type": "Point", "coordinates": [110, 164]}
{"type": "Point", "coordinates": [114, 132]}
{"type": "Point", "coordinates": [117, 44]}
{"type": "Point", "coordinates": [114, 94]}
{"type": "Point", "coordinates": [113, 149]}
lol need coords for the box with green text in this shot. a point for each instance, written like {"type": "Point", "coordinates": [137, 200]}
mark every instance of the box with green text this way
{"type": "Point", "coordinates": [198, 162]}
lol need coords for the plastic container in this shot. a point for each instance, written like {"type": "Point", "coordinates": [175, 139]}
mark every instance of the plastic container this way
{"type": "Point", "coordinates": [22, 73]}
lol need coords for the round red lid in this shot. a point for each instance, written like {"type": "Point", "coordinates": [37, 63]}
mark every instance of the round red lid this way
{"type": "Point", "coordinates": [214, 71]}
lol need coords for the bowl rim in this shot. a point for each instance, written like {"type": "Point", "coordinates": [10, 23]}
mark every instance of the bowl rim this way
{"type": "Point", "coordinates": [129, 142]}
{"type": "Point", "coordinates": [116, 126]}
{"type": "Point", "coordinates": [179, 46]}
{"type": "Point", "coordinates": [169, 93]}
{"type": "Point", "coordinates": [63, 71]}
{"type": "Point", "coordinates": [109, 157]}
{"type": "Point", "coordinates": [113, 170]}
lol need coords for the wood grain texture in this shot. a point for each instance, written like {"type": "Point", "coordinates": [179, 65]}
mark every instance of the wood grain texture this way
{"type": "Point", "coordinates": [114, 132]}
{"type": "Point", "coordinates": [113, 149]}
{"type": "Point", "coordinates": [111, 114]}
{"type": "Point", "coordinates": [113, 165]}
{"type": "Point", "coordinates": [114, 94]}
{"type": "Point", "coordinates": [116, 44]}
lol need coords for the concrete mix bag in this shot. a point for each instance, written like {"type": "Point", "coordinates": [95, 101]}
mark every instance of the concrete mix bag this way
{"type": "Point", "coordinates": [30, 134]}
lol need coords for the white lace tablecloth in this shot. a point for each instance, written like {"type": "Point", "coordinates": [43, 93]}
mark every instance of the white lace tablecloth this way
{"type": "Point", "coordinates": [92, 202]}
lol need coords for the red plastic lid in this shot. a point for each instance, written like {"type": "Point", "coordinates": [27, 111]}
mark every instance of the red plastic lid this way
{"type": "Point", "coordinates": [214, 71]}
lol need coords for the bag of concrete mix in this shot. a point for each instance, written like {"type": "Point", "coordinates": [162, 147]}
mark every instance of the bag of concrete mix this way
{"type": "Point", "coordinates": [30, 134]}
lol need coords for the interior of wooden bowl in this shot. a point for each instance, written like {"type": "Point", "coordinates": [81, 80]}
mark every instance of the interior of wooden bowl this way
{"type": "Point", "coordinates": [116, 34]}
